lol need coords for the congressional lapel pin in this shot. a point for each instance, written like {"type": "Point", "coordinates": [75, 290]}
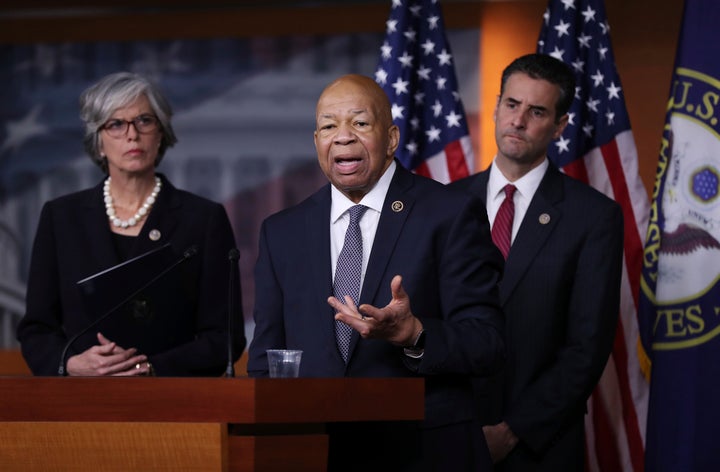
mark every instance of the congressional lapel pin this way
{"type": "Point", "coordinates": [544, 219]}
{"type": "Point", "coordinates": [154, 235]}
{"type": "Point", "coordinates": [397, 206]}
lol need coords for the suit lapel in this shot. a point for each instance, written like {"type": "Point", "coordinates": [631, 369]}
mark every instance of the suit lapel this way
{"type": "Point", "coordinates": [162, 220]}
{"type": "Point", "coordinates": [317, 239]}
{"type": "Point", "coordinates": [392, 219]}
{"type": "Point", "coordinates": [389, 228]}
{"type": "Point", "coordinates": [479, 185]}
{"type": "Point", "coordinates": [538, 224]}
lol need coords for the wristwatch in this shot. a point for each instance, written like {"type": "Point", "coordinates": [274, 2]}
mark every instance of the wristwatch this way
{"type": "Point", "coordinates": [417, 349]}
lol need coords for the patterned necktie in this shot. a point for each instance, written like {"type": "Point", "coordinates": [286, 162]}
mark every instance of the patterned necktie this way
{"type": "Point", "coordinates": [502, 227]}
{"type": "Point", "coordinates": [347, 274]}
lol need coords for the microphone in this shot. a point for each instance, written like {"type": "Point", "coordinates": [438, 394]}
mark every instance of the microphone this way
{"type": "Point", "coordinates": [233, 257]}
{"type": "Point", "coordinates": [187, 254]}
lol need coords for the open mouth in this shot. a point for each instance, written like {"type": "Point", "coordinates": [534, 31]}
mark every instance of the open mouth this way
{"type": "Point", "coordinates": [348, 164]}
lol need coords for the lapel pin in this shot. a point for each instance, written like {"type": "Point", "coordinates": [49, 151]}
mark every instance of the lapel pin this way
{"type": "Point", "coordinates": [154, 235]}
{"type": "Point", "coordinates": [397, 206]}
{"type": "Point", "coordinates": [544, 219]}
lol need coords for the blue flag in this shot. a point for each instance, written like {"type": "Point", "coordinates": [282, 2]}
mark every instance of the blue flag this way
{"type": "Point", "coordinates": [680, 298]}
{"type": "Point", "coordinates": [417, 71]}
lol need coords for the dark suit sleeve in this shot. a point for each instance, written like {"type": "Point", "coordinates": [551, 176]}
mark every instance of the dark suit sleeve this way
{"type": "Point", "coordinates": [543, 409]}
{"type": "Point", "coordinates": [467, 336]}
{"type": "Point", "coordinates": [40, 332]}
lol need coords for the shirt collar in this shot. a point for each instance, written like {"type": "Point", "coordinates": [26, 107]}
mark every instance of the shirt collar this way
{"type": "Point", "coordinates": [374, 199]}
{"type": "Point", "coordinates": [526, 185]}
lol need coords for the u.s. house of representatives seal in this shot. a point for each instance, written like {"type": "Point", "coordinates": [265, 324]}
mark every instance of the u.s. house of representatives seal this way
{"type": "Point", "coordinates": [682, 250]}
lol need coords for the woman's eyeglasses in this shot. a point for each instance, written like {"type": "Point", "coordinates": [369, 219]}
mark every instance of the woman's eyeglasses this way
{"type": "Point", "coordinates": [143, 124]}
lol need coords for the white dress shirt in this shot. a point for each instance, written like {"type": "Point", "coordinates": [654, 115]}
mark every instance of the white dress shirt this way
{"type": "Point", "coordinates": [526, 187]}
{"type": "Point", "coordinates": [340, 219]}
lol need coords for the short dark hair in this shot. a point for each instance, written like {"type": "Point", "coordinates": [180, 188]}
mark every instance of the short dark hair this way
{"type": "Point", "coordinates": [542, 66]}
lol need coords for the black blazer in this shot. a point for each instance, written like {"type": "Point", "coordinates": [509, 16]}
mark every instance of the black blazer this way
{"type": "Point", "coordinates": [439, 241]}
{"type": "Point", "coordinates": [73, 241]}
{"type": "Point", "coordinates": [560, 295]}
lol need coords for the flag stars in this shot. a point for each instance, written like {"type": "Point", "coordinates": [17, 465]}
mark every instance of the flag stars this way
{"type": "Point", "coordinates": [440, 82]}
{"type": "Point", "coordinates": [592, 104]}
{"type": "Point", "coordinates": [597, 78]}
{"type": "Point", "coordinates": [578, 92]}
{"type": "Point", "coordinates": [558, 53]}
{"type": "Point", "coordinates": [584, 41]}
{"type": "Point", "coordinates": [433, 134]}
{"type": "Point", "coordinates": [416, 71]}
{"type": "Point", "coordinates": [568, 4]}
{"type": "Point", "coordinates": [397, 111]}
{"type": "Point", "coordinates": [588, 130]}
{"type": "Point", "coordinates": [437, 108]}
{"type": "Point", "coordinates": [610, 116]}
{"type": "Point", "coordinates": [400, 86]}
{"type": "Point", "coordinates": [445, 58]}
{"type": "Point", "coordinates": [391, 26]}
{"type": "Point", "coordinates": [562, 28]}
{"type": "Point", "coordinates": [613, 91]}
{"type": "Point", "coordinates": [563, 144]}
{"type": "Point", "coordinates": [381, 76]}
{"type": "Point", "coordinates": [546, 16]}
{"type": "Point", "coordinates": [406, 59]}
{"type": "Point", "coordinates": [588, 14]}
{"type": "Point", "coordinates": [571, 119]}
{"type": "Point", "coordinates": [578, 65]}
{"type": "Point", "coordinates": [428, 47]}
{"type": "Point", "coordinates": [453, 119]}
{"type": "Point", "coordinates": [424, 73]}
{"type": "Point", "coordinates": [412, 148]}
{"type": "Point", "coordinates": [605, 27]}
{"type": "Point", "coordinates": [602, 51]}
{"type": "Point", "coordinates": [386, 51]}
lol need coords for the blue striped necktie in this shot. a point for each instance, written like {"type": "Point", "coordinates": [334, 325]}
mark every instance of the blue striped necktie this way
{"type": "Point", "coordinates": [347, 274]}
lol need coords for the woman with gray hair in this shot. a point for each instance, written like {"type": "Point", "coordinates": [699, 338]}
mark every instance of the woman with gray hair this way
{"type": "Point", "coordinates": [133, 211]}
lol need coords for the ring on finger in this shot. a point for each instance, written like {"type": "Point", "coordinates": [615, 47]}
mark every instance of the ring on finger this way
{"type": "Point", "coordinates": [137, 366]}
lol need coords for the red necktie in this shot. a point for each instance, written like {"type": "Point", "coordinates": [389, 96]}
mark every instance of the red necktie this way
{"type": "Point", "coordinates": [502, 227]}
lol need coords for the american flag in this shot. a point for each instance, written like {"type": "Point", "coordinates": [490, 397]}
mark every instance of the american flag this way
{"type": "Point", "coordinates": [598, 148]}
{"type": "Point", "coordinates": [417, 72]}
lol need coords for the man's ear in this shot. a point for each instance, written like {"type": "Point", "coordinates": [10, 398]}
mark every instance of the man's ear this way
{"type": "Point", "coordinates": [560, 127]}
{"type": "Point", "coordinates": [393, 140]}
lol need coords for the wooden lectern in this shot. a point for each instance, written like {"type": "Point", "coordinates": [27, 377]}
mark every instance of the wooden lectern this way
{"type": "Point", "coordinates": [208, 424]}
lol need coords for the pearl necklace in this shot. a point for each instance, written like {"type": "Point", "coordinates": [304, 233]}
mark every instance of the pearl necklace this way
{"type": "Point", "coordinates": [142, 211]}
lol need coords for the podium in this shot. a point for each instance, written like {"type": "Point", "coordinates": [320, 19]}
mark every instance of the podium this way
{"type": "Point", "coordinates": [208, 424]}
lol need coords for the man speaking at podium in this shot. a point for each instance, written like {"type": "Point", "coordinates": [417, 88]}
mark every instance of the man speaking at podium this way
{"type": "Point", "coordinates": [382, 273]}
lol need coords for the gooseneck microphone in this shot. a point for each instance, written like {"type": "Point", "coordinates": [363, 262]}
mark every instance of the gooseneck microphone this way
{"type": "Point", "coordinates": [187, 254]}
{"type": "Point", "coordinates": [233, 257]}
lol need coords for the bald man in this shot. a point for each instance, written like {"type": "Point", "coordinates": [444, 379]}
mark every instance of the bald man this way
{"type": "Point", "coordinates": [424, 302]}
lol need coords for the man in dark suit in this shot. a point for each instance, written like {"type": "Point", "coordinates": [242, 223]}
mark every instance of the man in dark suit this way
{"type": "Point", "coordinates": [560, 289]}
{"type": "Point", "coordinates": [427, 302]}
